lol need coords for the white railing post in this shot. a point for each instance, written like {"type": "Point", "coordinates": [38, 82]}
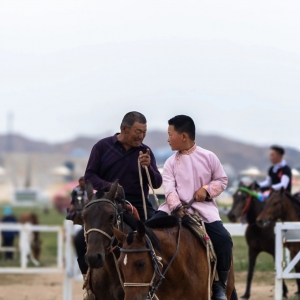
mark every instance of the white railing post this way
{"type": "Point", "coordinates": [68, 274]}
{"type": "Point", "coordinates": [278, 262]}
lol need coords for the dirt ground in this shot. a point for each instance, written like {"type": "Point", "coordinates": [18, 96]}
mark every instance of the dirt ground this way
{"type": "Point", "coordinates": [49, 287]}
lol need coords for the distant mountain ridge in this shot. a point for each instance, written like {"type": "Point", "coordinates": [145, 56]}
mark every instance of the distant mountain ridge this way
{"type": "Point", "coordinates": [235, 153]}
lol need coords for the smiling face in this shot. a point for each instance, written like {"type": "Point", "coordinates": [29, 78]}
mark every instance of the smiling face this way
{"type": "Point", "coordinates": [133, 136]}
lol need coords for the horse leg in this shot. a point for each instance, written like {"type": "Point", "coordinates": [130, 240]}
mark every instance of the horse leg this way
{"type": "Point", "coordinates": [252, 260]}
{"type": "Point", "coordinates": [297, 269]}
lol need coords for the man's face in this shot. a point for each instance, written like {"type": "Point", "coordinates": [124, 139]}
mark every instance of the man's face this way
{"type": "Point", "coordinates": [275, 157]}
{"type": "Point", "coordinates": [135, 135]}
{"type": "Point", "coordinates": [175, 139]}
{"type": "Point", "coordinates": [82, 184]}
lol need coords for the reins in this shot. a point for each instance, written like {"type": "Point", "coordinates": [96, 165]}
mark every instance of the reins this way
{"type": "Point", "coordinates": [156, 260]}
{"type": "Point", "coordinates": [142, 188]}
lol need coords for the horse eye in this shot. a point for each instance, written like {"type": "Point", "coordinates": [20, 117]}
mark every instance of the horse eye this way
{"type": "Point", "coordinates": [111, 217]}
{"type": "Point", "coordinates": [140, 264]}
{"type": "Point", "coordinates": [239, 193]}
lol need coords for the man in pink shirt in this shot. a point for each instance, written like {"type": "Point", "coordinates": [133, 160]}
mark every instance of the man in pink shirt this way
{"type": "Point", "coordinates": [193, 172]}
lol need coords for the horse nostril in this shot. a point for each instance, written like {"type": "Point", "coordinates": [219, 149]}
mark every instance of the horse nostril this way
{"type": "Point", "coordinates": [99, 256]}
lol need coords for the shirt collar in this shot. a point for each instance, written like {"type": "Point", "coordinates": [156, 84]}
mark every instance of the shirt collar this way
{"type": "Point", "coordinates": [190, 151]}
{"type": "Point", "coordinates": [279, 165]}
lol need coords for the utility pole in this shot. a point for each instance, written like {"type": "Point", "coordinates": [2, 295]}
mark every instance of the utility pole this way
{"type": "Point", "coordinates": [9, 136]}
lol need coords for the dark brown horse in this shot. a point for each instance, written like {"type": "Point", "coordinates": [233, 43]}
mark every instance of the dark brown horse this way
{"type": "Point", "coordinates": [246, 205]}
{"type": "Point", "coordinates": [187, 277]}
{"type": "Point", "coordinates": [281, 205]}
{"type": "Point", "coordinates": [99, 216]}
{"type": "Point", "coordinates": [33, 219]}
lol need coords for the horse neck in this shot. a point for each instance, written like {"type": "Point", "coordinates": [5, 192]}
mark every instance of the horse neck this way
{"type": "Point", "coordinates": [183, 266]}
{"type": "Point", "coordinates": [290, 212]}
{"type": "Point", "coordinates": [254, 210]}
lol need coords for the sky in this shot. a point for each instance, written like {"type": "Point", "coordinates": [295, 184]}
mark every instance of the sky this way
{"type": "Point", "coordinates": [70, 68]}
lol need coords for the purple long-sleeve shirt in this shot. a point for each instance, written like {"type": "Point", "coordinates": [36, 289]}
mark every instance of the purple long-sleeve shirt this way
{"type": "Point", "coordinates": [109, 161]}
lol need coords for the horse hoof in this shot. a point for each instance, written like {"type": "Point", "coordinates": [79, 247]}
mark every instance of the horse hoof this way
{"type": "Point", "coordinates": [246, 297]}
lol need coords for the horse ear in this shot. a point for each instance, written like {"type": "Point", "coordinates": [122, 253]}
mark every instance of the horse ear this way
{"type": "Point", "coordinates": [113, 190]}
{"type": "Point", "coordinates": [282, 190]}
{"type": "Point", "coordinates": [141, 230]}
{"type": "Point", "coordinates": [89, 190]}
{"type": "Point", "coordinates": [120, 236]}
{"type": "Point", "coordinates": [241, 184]}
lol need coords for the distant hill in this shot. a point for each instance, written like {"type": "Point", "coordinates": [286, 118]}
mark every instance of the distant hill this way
{"type": "Point", "coordinates": [238, 154]}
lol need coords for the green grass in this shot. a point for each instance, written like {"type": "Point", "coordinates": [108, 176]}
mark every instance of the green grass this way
{"type": "Point", "coordinates": [49, 243]}
{"type": "Point", "coordinates": [264, 261]}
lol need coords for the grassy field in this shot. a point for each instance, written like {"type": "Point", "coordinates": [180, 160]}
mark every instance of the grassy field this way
{"type": "Point", "coordinates": [49, 244]}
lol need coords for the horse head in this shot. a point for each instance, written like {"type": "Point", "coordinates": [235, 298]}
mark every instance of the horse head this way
{"type": "Point", "coordinates": [240, 198]}
{"type": "Point", "coordinates": [275, 208]}
{"type": "Point", "coordinates": [99, 216]}
{"type": "Point", "coordinates": [136, 261]}
{"type": "Point", "coordinates": [79, 203]}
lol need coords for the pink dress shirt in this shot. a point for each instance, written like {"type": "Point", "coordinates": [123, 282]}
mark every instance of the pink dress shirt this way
{"type": "Point", "coordinates": [186, 172]}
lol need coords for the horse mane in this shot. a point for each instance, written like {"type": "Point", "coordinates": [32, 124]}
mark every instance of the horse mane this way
{"type": "Point", "coordinates": [295, 201]}
{"type": "Point", "coordinates": [151, 235]}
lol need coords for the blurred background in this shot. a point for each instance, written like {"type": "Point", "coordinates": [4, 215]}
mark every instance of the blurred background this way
{"type": "Point", "coordinates": [70, 70]}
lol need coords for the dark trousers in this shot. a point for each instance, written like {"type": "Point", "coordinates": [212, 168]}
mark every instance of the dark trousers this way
{"type": "Point", "coordinates": [80, 245]}
{"type": "Point", "coordinates": [221, 241]}
{"type": "Point", "coordinates": [8, 242]}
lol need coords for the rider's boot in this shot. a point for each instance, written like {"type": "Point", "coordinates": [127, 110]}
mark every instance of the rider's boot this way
{"type": "Point", "coordinates": [88, 294]}
{"type": "Point", "coordinates": [219, 287]}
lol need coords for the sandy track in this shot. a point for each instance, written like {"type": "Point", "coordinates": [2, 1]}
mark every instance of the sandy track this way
{"type": "Point", "coordinates": [49, 287]}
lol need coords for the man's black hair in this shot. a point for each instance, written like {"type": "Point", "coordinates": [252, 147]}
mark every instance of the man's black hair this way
{"type": "Point", "coordinates": [81, 178]}
{"type": "Point", "coordinates": [278, 149]}
{"type": "Point", "coordinates": [132, 117]}
{"type": "Point", "coordinates": [184, 124]}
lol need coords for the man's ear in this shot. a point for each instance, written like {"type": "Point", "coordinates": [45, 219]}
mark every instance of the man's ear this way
{"type": "Point", "coordinates": [120, 236]}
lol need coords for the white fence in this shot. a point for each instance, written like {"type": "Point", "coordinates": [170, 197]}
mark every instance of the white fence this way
{"type": "Point", "coordinates": [25, 237]}
{"type": "Point", "coordinates": [285, 232]}
{"type": "Point", "coordinates": [288, 232]}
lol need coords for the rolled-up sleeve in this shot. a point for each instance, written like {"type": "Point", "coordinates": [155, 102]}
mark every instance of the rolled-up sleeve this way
{"type": "Point", "coordinates": [92, 170]}
{"type": "Point", "coordinates": [219, 178]}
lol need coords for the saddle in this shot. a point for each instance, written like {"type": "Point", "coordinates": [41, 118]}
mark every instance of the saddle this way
{"type": "Point", "coordinates": [192, 223]}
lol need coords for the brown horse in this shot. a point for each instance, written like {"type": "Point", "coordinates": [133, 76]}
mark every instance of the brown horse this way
{"type": "Point", "coordinates": [99, 216]}
{"type": "Point", "coordinates": [33, 219]}
{"type": "Point", "coordinates": [281, 205]}
{"type": "Point", "coordinates": [187, 276]}
{"type": "Point", "coordinates": [246, 205]}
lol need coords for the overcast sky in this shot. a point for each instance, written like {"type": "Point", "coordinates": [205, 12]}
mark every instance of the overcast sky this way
{"type": "Point", "coordinates": [69, 68]}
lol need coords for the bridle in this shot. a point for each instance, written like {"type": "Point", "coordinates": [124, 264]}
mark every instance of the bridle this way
{"type": "Point", "coordinates": [157, 264]}
{"type": "Point", "coordinates": [119, 221]}
{"type": "Point", "coordinates": [117, 224]}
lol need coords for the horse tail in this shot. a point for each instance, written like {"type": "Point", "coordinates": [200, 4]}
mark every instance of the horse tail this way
{"type": "Point", "coordinates": [234, 295]}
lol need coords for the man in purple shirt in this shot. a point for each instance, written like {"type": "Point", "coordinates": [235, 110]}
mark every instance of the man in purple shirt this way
{"type": "Point", "coordinates": [117, 157]}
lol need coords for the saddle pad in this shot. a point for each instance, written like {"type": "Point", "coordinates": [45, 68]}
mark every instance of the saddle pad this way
{"type": "Point", "coordinates": [194, 224]}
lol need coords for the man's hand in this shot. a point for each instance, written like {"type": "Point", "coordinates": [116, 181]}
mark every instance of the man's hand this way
{"type": "Point", "coordinates": [200, 195]}
{"type": "Point", "coordinates": [145, 158]}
